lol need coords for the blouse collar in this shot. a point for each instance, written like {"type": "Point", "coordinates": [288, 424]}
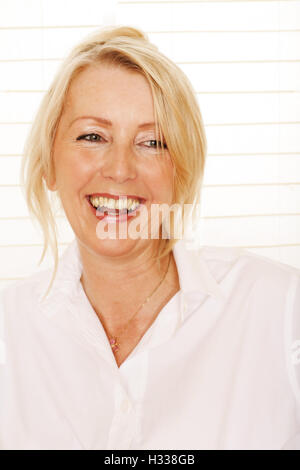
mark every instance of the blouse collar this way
{"type": "Point", "coordinates": [194, 275]}
{"type": "Point", "coordinates": [193, 272]}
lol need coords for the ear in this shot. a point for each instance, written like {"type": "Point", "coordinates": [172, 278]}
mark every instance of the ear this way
{"type": "Point", "coordinates": [51, 185]}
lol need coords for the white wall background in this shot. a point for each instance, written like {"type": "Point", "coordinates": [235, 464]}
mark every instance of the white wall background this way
{"type": "Point", "coordinates": [243, 59]}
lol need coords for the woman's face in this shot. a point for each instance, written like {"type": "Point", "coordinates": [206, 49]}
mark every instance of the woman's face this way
{"type": "Point", "coordinates": [92, 157]}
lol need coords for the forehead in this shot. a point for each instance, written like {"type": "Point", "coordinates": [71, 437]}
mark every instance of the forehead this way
{"type": "Point", "coordinates": [109, 90]}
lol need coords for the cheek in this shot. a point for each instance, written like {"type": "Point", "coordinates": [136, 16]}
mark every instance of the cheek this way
{"type": "Point", "coordinates": [161, 180]}
{"type": "Point", "coordinates": [73, 169]}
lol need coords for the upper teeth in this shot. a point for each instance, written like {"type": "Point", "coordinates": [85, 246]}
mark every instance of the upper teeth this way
{"type": "Point", "coordinates": [126, 203]}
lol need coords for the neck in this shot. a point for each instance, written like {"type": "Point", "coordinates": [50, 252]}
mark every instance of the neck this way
{"type": "Point", "coordinates": [116, 286]}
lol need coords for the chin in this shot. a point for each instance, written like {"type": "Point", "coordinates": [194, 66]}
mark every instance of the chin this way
{"type": "Point", "coordinates": [115, 248]}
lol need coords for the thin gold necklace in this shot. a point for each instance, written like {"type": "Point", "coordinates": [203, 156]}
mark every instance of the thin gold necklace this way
{"type": "Point", "coordinates": [113, 340]}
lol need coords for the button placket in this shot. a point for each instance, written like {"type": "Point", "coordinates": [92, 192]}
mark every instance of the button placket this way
{"type": "Point", "coordinates": [125, 405]}
{"type": "Point", "coordinates": [123, 422]}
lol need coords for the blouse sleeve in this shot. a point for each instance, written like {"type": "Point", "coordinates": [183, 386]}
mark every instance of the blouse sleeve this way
{"type": "Point", "coordinates": [293, 336]}
{"type": "Point", "coordinates": [292, 344]}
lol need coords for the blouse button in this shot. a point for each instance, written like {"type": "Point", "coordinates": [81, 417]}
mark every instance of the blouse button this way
{"type": "Point", "coordinates": [125, 405]}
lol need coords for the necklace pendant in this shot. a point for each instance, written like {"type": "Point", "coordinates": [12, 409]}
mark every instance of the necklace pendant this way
{"type": "Point", "coordinates": [114, 344]}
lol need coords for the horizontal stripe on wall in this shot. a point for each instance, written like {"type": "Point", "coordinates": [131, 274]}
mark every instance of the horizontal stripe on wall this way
{"type": "Point", "coordinates": [222, 170]}
{"type": "Point", "coordinates": [210, 15]}
{"type": "Point", "coordinates": [246, 231]}
{"type": "Point", "coordinates": [20, 262]}
{"type": "Point", "coordinates": [210, 47]}
{"type": "Point", "coordinates": [186, 15]}
{"type": "Point", "coordinates": [288, 254]}
{"type": "Point", "coordinates": [215, 108]}
{"type": "Point", "coordinates": [237, 199]}
{"type": "Point", "coordinates": [228, 77]}
{"type": "Point", "coordinates": [231, 139]}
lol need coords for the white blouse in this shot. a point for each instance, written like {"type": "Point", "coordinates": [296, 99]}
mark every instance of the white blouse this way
{"type": "Point", "coordinates": [218, 369]}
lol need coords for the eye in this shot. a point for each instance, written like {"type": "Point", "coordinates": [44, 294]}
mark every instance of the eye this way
{"type": "Point", "coordinates": [90, 137]}
{"type": "Point", "coordinates": [160, 144]}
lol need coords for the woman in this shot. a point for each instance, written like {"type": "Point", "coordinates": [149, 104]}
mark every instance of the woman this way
{"type": "Point", "coordinates": [139, 342]}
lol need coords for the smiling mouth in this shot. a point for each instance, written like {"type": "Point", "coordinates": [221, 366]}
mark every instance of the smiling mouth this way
{"type": "Point", "coordinates": [128, 206]}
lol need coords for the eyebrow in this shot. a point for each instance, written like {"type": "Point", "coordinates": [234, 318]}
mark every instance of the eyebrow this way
{"type": "Point", "coordinates": [108, 123]}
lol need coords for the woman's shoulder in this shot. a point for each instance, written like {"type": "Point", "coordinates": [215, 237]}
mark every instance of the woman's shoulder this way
{"type": "Point", "coordinates": [239, 272]}
{"type": "Point", "coordinates": [232, 274]}
{"type": "Point", "coordinates": [269, 292]}
{"type": "Point", "coordinates": [18, 305]}
{"type": "Point", "coordinates": [26, 299]}
{"type": "Point", "coordinates": [26, 292]}
{"type": "Point", "coordinates": [251, 265]}
{"type": "Point", "coordinates": [30, 291]}
{"type": "Point", "coordinates": [274, 279]}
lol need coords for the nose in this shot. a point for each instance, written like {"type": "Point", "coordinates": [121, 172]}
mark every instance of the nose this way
{"type": "Point", "coordinates": [119, 163]}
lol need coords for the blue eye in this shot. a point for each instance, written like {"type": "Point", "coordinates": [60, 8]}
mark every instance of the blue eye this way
{"type": "Point", "coordinates": [90, 137]}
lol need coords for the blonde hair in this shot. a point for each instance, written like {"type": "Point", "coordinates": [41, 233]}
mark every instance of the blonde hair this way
{"type": "Point", "coordinates": [177, 115]}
